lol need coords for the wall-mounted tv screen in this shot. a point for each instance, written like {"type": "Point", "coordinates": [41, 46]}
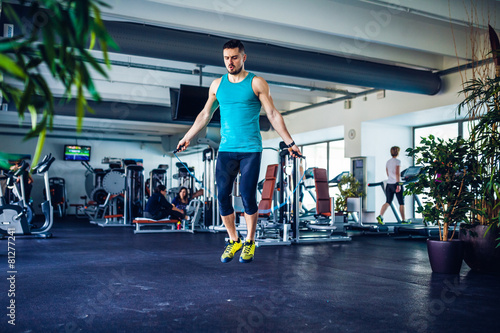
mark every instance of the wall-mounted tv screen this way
{"type": "Point", "coordinates": [76, 153]}
{"type": "Point", "coordinates": [188, 101]}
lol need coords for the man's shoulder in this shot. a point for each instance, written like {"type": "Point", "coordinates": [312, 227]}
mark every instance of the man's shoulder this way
{"type": "Point", "coordinates": [259, 82]}
{"type": "Point", "coordinates": [214, 86]}
{"type": "Point", "coordinates": [217, 81]}
{"type": "Point", "coordinates": [257, 78]}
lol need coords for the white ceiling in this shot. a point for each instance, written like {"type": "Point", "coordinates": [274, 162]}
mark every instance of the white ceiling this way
{"type": "Point", "coordinates": [424, 34]}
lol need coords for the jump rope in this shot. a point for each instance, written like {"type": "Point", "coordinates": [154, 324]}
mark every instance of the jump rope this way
{"type": "Point", "coordinates": [260, 211]}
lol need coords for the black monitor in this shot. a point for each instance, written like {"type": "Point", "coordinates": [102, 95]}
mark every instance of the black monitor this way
{"type": "Point", "coordinates": [190, 101]}
{"type": "Point", "coordinates": [76, 153]}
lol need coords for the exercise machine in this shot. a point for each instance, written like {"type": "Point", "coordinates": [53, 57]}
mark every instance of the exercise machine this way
{"type": "Point", "coordinates": [93, 185]}
{"type": "Point", "coordinates": [134, 193]}
{"type": "Point", "coordinates": [157, 177]}
{"type": "Point", "coordinates": [211, 217]}
{"type": "Point", "coordinates": [289, 227]}
{"type": "Point", "coordinates": [320, 228]}
{"type": "Point", "coordinates": [408, 175]}
{"type": "Point", "coordinates": [15, 191]}
{"type": "Point", "coordinates": [58, 195]}
{"type": "Point", "coordinates": [362, 168]}
{"type": "Point", "coordinates": [110, 213]}
{"type": "Point", "coordinates": [184, 179]}
{"type": "Point", "coordinates": [417, 229]}
{"type": "Point", "coordinates": [13, 218]}
{"type": "Point", "coordinates": [269, 231]}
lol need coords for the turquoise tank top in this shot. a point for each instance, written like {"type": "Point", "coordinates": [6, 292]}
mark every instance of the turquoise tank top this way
{"type": "Point", "coordinates": [239, 113]}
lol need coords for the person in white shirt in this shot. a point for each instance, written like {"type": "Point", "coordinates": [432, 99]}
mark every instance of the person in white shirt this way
{"type": "Point", "coordinates": [393, 169]}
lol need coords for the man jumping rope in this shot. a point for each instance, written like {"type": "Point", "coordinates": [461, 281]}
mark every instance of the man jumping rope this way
{"type": "Point", "coordinates": [241, 95]}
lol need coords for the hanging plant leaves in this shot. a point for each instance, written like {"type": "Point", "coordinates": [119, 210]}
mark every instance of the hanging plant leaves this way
{"type": "Point", "coordinates": [58, 37]}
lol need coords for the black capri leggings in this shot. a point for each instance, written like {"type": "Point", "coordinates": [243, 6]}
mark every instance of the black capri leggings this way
{"type": "Point", "coordinates": [390, 190]}
{"type": "Point", "coordinates": [228, 166]}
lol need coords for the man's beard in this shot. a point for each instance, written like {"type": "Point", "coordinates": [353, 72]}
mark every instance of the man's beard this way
{"type": "Point", "coordinates": [235, 71]}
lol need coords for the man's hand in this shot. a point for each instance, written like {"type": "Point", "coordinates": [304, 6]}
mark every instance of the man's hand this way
{"type": "Point", "coordinates": [295, 151]}
{"type": "Point", "coordinates": [182, 145]}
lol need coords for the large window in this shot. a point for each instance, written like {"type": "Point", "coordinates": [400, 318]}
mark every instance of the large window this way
{"type": "Point", "coordinates": [445, 132]}
{"type": "Point", "coordinates": [337, 163]}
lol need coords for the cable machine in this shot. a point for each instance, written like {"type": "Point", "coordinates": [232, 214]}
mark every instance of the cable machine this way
{"type": "Point", "coordinates": [308, 230]}
{"type": "Point", "coordinates": [211, 217]}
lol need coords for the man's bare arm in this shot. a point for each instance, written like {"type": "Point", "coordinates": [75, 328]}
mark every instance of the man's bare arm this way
{"type": "Point", "coordinates": [261, 88]}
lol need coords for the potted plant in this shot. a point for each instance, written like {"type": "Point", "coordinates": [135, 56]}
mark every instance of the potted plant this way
{"type": "Point", "coordinates": [482, 104]}
{"type": "Point", "coordinates": [444, 181]}
{"type": "Point", "coordinates": [349, 187]}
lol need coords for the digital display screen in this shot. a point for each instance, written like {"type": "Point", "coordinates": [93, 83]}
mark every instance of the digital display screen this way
{"type": "Point", "coordinates": [76, 153]}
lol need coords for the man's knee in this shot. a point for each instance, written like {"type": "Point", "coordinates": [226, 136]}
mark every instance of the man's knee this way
{"type": "Point", "coordinates": [250, 205]}
{"type": "Point", "coordinates": [226, 210]}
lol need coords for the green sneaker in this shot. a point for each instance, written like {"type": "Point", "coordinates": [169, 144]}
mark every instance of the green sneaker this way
{"type": "Point", "coordinates": [406, 222]}
{"type": "Point", "coordinates": [248, 252]}
{"type": "Point", "coordinates": [231, 249]}
{"type": "Point", "coordinates": [380, 219]}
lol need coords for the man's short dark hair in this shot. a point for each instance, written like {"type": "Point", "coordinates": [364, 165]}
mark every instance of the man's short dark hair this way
{"type": "Point", "coordinates": [233, 44]}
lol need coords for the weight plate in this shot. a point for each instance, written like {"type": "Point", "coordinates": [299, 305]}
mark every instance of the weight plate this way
{"type": "Point", "coordinates": [114, 182]}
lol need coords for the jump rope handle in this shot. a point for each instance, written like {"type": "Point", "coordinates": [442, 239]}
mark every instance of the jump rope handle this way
{"type": "Point", "coordinates": [178, 149]}
{"type": "Point", "coordinates": [287, 152]}
{"type": "Point", "coordinates": [284, 150]}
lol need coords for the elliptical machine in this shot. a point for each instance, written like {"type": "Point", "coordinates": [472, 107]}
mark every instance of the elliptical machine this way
{"type": "Point", "coordinates": [13, 218]}
{"type": "Point", "coordinates": [15, 191]}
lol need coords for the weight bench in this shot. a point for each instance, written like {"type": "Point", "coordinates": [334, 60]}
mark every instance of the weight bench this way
{"type": "Point", "coordinates": [323, 215]}
{"type": "Point", "coordinates": [147, 225]}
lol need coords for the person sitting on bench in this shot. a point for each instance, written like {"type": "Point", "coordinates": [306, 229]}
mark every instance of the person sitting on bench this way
{"type": "Point", "coordinates": [159, 208]}
{"type": "Point", "coordinates": [181, 200]}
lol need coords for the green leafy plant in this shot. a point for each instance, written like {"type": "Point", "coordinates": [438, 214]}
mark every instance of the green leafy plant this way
{"type": "Point", "coordinates": [349, 187]}
{"type": "Point", "coordinates": [485, 151]}
{"type": "Point", "coordinates": [445, 180]}
{"type": "Point", "coordinates": [56, 37]}
{"type": "Point", "coordinates": [482, 105]}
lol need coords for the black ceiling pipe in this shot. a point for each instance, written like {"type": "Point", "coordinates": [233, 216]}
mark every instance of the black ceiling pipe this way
{"type": "Point", "coordinates": [163, 43]}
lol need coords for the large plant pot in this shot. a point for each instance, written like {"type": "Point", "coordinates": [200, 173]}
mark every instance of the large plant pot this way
{"type": "Point", "coordinates": [480, 252]}
{"type": "Point", "coordinates": [445, 256]}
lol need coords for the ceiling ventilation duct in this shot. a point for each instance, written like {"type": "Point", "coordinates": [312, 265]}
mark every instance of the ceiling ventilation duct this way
{"type": "Point", "coordinates": [163, 43]}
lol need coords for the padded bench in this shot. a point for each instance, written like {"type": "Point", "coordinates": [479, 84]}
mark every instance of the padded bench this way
{"type": "Point", "coordinates": [148, 225]}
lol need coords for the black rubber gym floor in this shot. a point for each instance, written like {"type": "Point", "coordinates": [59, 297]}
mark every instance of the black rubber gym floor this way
{"type": "Point", "coordinates": [93, 279]}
